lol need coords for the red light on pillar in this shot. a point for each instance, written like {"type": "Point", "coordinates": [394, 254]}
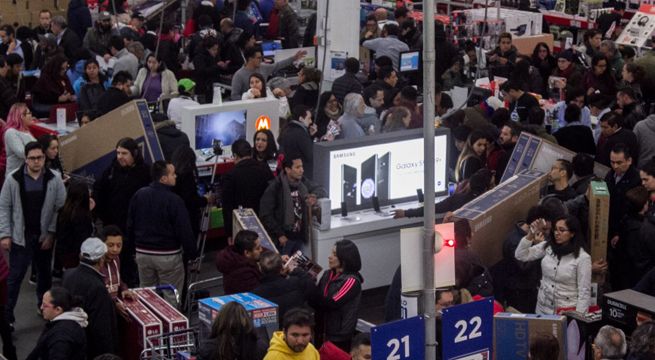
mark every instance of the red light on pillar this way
{"type": "Point", "coordinates": [449, 242]}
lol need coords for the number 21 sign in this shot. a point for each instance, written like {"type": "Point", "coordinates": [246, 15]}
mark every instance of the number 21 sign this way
{"type": "Point", "coordinates": [399, 340]}
{"type": "Point", "coordinates": [467, 331]}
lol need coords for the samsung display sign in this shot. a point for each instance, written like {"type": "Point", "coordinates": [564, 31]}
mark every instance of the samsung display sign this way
{"type": "Point", "coordinates": [387, 166]}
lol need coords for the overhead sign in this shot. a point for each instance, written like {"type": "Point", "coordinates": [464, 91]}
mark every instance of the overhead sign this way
{"type": "Point", "coordinates": [399, 340]}
{"type": "Point", "coordinates": [467, 331]}
{"type": "Point", "coordinates": [263, 123]}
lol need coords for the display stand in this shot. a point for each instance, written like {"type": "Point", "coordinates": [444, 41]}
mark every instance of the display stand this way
{"type": "Point", "coordinates": [639, 31]}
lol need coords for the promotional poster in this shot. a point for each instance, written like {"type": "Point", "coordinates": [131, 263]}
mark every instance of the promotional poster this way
{"type": "Point", "coordinates": [388, 171]}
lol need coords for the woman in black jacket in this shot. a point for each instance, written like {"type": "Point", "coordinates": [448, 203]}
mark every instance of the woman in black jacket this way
{"type": "Point", "coordinates": [340, 293]}
{"type": "Point", "coordinates": [74, 225]}
{"type": "Point", "coordinates": [544, 61]}
{"type": "Point", "coordinates": [629, 245]}
{"type": "Point", "coordinates": [63, 336]}
{"type": "Point", "coordinates": [186, 186]}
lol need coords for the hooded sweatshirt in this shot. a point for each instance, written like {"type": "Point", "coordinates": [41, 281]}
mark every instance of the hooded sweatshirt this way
{"type": "Point", "coordinates": [76, 314]}
{"type": "Point", "coordinates": [280, 351]}
{"type": "Point", "coordinates": [63, 338]}
{"type": "Point", "coordinates": [645, 132]}
{"type": "Point", "coordinates": [240, 274]}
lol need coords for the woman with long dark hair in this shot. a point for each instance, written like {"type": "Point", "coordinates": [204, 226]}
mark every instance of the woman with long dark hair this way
{"type": "Point", "coordinates": [53, 86]}
{"type": "Point", "coordinates": [340, 292]}
{"type": "Point", "coordinates": [50, 145]}
{"type": "Point", "coordinates": [544, 61]}
{"type": "Point", "coordinates": [565, 265]}
{"type": "Point", "coordinates": [599, 78]}
{"type": "Point", "coordinates": [154, 80]}
{"type": "Point", "coordinates": [473, 156]}
{"type": "Point", "coordinates": [74, 224]}
{"type": "Point", "coordinates": [232, 337]}
{"type": "Point", "coordinates": [91, 86]}
{"type": "Point", "coordinates": [329, 109]}
{"type": "Point", "coordinates": [186, 186]}
{"type": "Point", "coordinates": [265, 149]}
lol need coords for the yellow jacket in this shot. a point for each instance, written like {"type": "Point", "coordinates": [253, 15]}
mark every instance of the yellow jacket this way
{"type": "Point", "coordinates": [278, 350]}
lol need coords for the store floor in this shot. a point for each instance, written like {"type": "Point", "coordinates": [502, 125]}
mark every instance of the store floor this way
{"type": "Point", "coordinates": [29, 324]}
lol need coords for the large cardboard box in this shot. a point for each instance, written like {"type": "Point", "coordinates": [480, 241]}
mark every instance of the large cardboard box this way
{"type": "Point", "coordinates": [534, 153]}
{"type": "Point", "coordinates": [263, 313]}
{"type": "Point", "coordinates": [513, 332]}
{"type": "Point", "coordinates": [246, 219]}
{"type": "Point", "coordinates": [622, 308]}
{"type": "Point", "coordinates": [172, 320]}
{"type": "Point", "coordinates": [142, 325]}
{"type": "Point", "coordinates": [599, 211]}
{"type": "Point", "coordinates": [493, 214]}
{"type": "Point", "coordinates": [89, 150]}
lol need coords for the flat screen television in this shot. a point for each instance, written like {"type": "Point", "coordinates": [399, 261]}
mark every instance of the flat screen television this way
{"type": "Point", "coordinates": [226, 126]}
{"type": "Point", "coordinates": [386, 166]}
{"type": "Point", "coordinates": [409, 61]}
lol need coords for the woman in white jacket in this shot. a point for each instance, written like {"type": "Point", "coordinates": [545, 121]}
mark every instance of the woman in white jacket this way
{"type": "Point", "coordinates": [258, 90]}
{"type": "Point", "coordinates": [565, 266]}
{"type": "Point", "coordinates": [154, 80]}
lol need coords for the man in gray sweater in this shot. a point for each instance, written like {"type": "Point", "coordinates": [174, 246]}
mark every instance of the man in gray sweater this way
{"type": "Point", "coordinates": [29, 201]}
{"type": "Point", "coordinates": [254, 57]}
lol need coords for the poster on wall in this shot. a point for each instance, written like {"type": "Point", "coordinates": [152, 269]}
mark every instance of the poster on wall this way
{"type": "Point", "coordinates": [639, 31]}
{"type": "Point", "coordinates": [337, 64]}
{"type": "Point", "coordinates": [388, 171]}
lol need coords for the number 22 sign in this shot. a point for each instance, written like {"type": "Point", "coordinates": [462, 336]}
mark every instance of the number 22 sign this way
{"type": "Point", "coordinates": [467, 330]}
{"type": "Point", "coordinates": [399, 340]}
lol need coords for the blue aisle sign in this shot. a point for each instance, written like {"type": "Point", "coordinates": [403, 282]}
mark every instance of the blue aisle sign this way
{"type": "Point", "coordinates": [467, 330]}
{"type": "Point", "coordinates": [399, 340]}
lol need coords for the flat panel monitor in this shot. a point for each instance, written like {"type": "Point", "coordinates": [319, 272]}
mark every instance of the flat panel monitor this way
{"type": "Point", "coordinates": [269, 47]}
{"type": "Point", "coordinates": [410, 61]}
{"type": "Point", "coordinates": [386, 166]}
{"type": "Point", "coordinates": [226, 126]}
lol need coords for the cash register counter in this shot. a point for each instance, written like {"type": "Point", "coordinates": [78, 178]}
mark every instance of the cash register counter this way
{"type": "Point", "coordinates": [377, 237]}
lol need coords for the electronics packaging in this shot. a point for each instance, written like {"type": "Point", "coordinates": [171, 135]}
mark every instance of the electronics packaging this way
{"type": "Point", "coordinates": [172, 320]}
{"type": "Point", "coordinates": [624, 308]}
{"type": "Point", "coordinates": [513, 332]}
{"type": "Point", "coordinates": [263, 313]}
{"type": "Point", "coordinates": [142, 324]}
{"type": "Point", "coordinates": [246, 219]}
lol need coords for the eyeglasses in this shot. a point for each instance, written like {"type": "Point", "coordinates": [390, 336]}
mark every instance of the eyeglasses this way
{"type": "Point", "coordinates": [561, 230]}
{"type": "Point", "coordinates": [36, 158]}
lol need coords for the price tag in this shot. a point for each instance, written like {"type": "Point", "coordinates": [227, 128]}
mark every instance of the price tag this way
{"type": "Point", "coordinates": [467, 330]}
{"type": "Point", "coordinates": [399, 340]}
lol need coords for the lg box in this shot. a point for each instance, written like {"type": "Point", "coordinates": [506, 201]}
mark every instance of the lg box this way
{"type": "Point", "coordinates": [142, 324]}
{"type": "Point", "coordinates": [622, 308]}
{"type": "Point", "coordinates": [263, 313]}
{"type": "Point", "coordinates": [172, 320]}
{"type": "Point", "coordinates": [513, 333]}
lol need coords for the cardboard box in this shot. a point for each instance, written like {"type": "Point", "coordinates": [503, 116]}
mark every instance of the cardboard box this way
{"type": "Point", "coordinates": [246, 219]}
{"type": "Point", "coordinates": [622, 308]}
{"type": "Point", "coordinates": [143, 324]}
{"type": "Point", "coordinates": [493, 214]}
{"type": "Point", "coordinates": [534, 153]}
{"type": "Point", "coordinates": [513, 333]}
{"type": "Point", "coordinates": [587, 328]}
{"type": "Point", "coordinates": [262, 312]}
{"type": "Point", "coordinates": [599, 209]}
{"type": "Point", "coordinates": [89, 150]}
{"type": "Point", "coordinates": [172, 320]}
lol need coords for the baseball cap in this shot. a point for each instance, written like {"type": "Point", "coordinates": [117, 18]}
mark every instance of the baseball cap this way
{"type": "Point", "coordinates": [187, 84]}
{"type": "Point", "coordinates": [93, 249]}
{"type": "Point", "coordinates": [105, 15]}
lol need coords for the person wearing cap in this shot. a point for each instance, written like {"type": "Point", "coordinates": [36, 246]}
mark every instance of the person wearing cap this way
{"type": "Point", "coordinates": [79, 17]}
{"type": "Point", "coordinates": [87, 282]}
{"type": "Point", "coordinates": [29, 201]}
{"type": "Point", "coordinates": [66, 39]}
{"type": "Point", "coordinates": [185, 87]}
{"type": "Point", "coordinates": [158, 224]}
{"type": "Point", "coordinates": [97, 38]}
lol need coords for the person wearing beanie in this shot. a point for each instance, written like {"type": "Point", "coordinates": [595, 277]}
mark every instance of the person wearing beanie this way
{"type": "Point", "coordinates": [86, 281]}
{"type": "Point", "coordinates": [567, 69]}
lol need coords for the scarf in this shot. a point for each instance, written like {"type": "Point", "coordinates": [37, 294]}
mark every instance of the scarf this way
{"type": "Point", "coordinates": [561, 250]}
{"type": "Point", "coordinates": [287, 202]}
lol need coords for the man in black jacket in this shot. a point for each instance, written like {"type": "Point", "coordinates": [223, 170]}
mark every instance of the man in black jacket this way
{"type": "Point", "coordinates": [117, 95]}
{"type": "Point", "coordinates": [284, 203]}
{"type": "Point", "coordinates": [66, 39]}
{"type": "Point", "coordinates": [287, 292]}
{"type": "Point", "coordinates": [170, 137]}
{"type": "Point", "coordinates": [158, 224]}
{"type": "Point", "coordinates": [347, 83]}
{"type": "Point", "coordinates": [613, 132]}
{"type": "Point", "coordinates": [7, 92]}
{"type": "Point", "coordinates": [87, 282]}
{"type": "Point", "coordinates": [245, 184]}
{"type": "Point", "coordinates": [296, 138]}
{"type": "Point", "coordinates": [113, 191]}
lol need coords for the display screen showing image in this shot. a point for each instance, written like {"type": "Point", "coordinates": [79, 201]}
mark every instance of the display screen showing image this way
{"type": "Point", "coordinates": [409, 61]}
{"type": "Point", "coordinates": [389, 171]}
{"type": "Point", "coordinates": [224, 126]}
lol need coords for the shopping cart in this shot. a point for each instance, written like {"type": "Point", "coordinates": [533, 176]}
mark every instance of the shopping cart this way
{"type": "Point", "coordinates": [167, 346]}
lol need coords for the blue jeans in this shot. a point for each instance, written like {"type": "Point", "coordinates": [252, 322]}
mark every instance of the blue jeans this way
{"type": "Point", "coordinates": [20, 258]}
